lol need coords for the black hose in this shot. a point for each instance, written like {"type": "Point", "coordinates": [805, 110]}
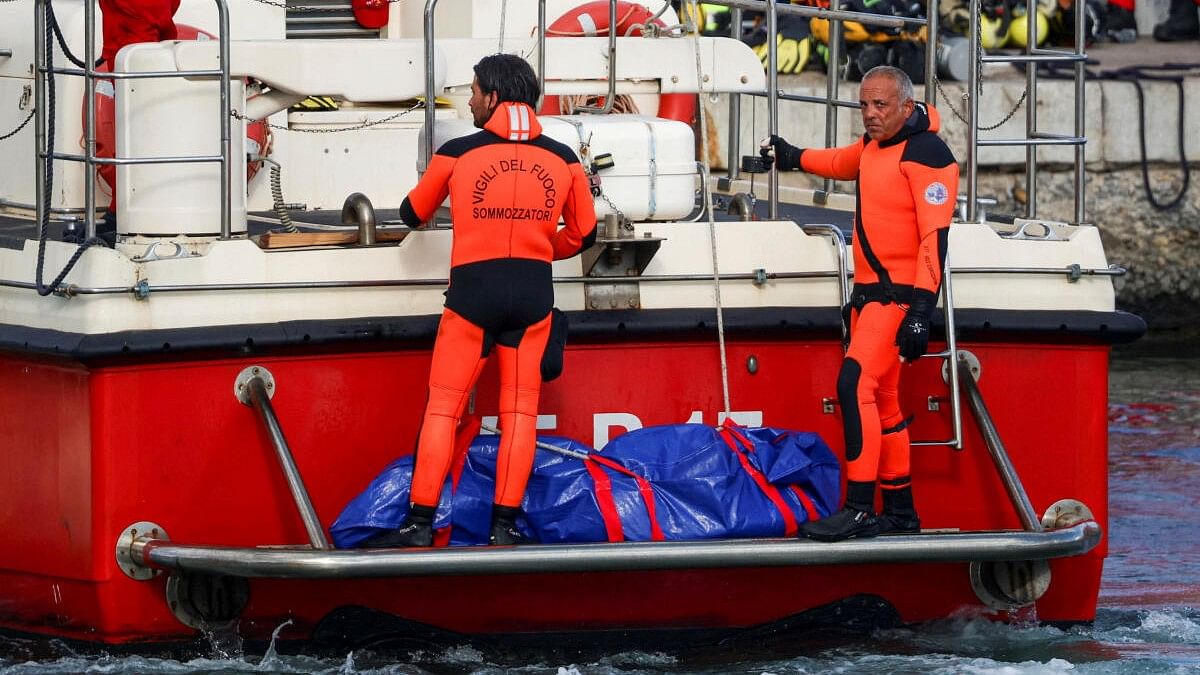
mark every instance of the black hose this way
{"type": "Point", "coordinates": [1135, 75]}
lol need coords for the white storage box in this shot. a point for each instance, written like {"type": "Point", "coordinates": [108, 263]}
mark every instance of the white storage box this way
{"type": "Point", "coordinates": [653, 176]}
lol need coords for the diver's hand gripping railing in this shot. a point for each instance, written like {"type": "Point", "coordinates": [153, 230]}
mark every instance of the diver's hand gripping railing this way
{"type": "Point", "coordinates": [254, 387]}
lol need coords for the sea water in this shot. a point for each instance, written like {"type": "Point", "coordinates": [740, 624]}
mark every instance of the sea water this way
{"type": "Point", "coordinates": [1148, 620]}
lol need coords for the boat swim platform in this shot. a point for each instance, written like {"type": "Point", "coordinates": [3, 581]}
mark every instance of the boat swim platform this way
{"type": "Point", "coordinates": [145, 547]}
{"type": "Point", "coordinates": [1112, 115]}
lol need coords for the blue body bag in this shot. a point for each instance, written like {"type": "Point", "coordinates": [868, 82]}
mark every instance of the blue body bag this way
{"type": "Point", "coordinates": [672, 482]}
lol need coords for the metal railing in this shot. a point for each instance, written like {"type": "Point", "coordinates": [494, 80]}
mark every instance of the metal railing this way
{"type": "Point", "coordinates": [1033, 138]}
{"type": "Point", "coordinates": [306, 563]}
{"type": "Point", "coordinates": [43, 154]}
{"type": "Point", "coordinates": [254, 387]}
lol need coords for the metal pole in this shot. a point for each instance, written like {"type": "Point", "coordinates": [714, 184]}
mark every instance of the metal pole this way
{"type": "Point", "coordinates": [226, 121]}
{"type": "Point", "coordinates": [991, 438]}
{"type": "Point", "coordinates": [931, 47]}
{"type": "Point", "coordinates": [612, 66]}
{"type": "Point", "coordinates": [430, 94]}
{"type": "Point", "coordinates": [541, 47]}
{"type": "Point", "coordinates": [843, 273]}
{"type": "Point", "coordinates": [973, 116]}
{"type": "Point", "coordinates": [866, 18]}
{"type": "Point", "coordinates": [89, 116]}
{"type": "Point", "coordinates": [772, 105]}
{"type": "Point", "coordinates": [261, 400]}
{"type": "Point", "coordinates": [41, 199]}
{"type": "Point", "coordinates": [1031, 111]}
{"type": "Point", "coordinates": [952, 358]}
{"type": "Point", "coordinates": [1080, 105]}
{"type": "Point", "coordinates": [832, 82]}
{"type": "Point", "coordinates": [733, 169]}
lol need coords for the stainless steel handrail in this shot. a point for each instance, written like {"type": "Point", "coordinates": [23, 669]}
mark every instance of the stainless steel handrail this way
{"type": "Point", "coordinates": [430, 94]}
{"type": "Point", "coordinates": [831, 14]}
{"type": "Point", "coordinates": [843, 272]}
{"type": "Point", "coordinates": [90, 75]}
{"type": "Point", "coordinates": [773, 103]}
{"type": "Point", "coordinates": [612, 65]}
{"type": "Point", "coordinates": [259, 398]}
{"type": "Point", "coordinates": [950, 355]}
{"type": "Point", "coordinates": [1032, 56]}
{"type": "Point", "coordinates": [297, 563]}
{"type": "Point", "coordinates": [126, 161]}
{"type": "Point", "coordinates": [732, 165]}
{"type": "Point", "coordinates": [932, 10]}
{"type": "Point", "coordinates": [1035, 140]}
{"type": "Point", "coordinates": [832, 83]}
{"type": "Point", "coordinates": [541, 48]}
{"type": "Point", "coordinates": [145, 289]}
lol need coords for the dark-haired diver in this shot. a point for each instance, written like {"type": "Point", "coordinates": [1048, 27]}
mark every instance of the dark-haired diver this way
{"type": "Point", "coordinates": [508, 186]}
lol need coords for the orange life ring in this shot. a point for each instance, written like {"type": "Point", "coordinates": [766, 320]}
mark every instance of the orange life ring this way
{"type": "Point", "coordinates": [591, 20]}
{"type": "Point", "coordinates": [258, 134]}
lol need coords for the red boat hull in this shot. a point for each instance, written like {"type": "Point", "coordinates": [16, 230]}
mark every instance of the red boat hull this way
{"type": "Point", "coordinates": [89, 450]}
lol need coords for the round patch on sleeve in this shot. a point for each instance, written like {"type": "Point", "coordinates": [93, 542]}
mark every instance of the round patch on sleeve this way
{"type": "Point", "coordinates": [936, 194]}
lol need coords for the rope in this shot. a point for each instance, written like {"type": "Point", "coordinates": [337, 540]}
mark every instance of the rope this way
{"type": "Point", "coordinates": [44, 223]}
{"type": "Point", "coordinates": [21, 126]}
{"type": "Point", "coordinates": [712, 225]}
{"type": "Point", "coordinates": [365, 125]}
{"type": "Point", "coordinates": [62, 43]}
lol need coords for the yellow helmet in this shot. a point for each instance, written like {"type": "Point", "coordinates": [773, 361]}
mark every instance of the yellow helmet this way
{"type": "Point", "coordinates": [990, 35]}
{"type": "Point", "coordinates": [1018, 30]}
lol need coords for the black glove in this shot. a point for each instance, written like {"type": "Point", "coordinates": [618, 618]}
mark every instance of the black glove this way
{"type": "Point", "coordinates": [774, 148]}
{"type": "Point", "coordinates": [913, 335]}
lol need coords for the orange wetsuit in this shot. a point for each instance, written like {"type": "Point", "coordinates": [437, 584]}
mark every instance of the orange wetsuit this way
{"type": "Point", "coordinates": [508, 187]}
{"type": "Point", "coordinates": [906, 191]}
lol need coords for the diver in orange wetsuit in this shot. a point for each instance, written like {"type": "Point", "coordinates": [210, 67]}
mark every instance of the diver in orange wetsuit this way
{"type": "Point", "coordinates": [907, 182]}
{"type": "Point", "coordinates": [508, 187]}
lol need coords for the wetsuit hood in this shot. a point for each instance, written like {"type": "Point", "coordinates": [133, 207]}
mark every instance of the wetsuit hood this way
{"type": "Point", "coordinates": [923, 118]}
{"type": "Point", "coordinates": [514, 121]}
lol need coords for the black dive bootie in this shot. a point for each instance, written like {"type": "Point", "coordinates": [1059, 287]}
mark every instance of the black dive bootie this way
{"type": "Point", "coordinates": [899, 516]}
{"type": "Point", "coordinates": [416, 530]}
{"type": "Point", "coordinates": [856, 519]}
{"type": "Point", "coordinates": [504, 526]}
{"type": "Point", "coordinates": [1182, 23]}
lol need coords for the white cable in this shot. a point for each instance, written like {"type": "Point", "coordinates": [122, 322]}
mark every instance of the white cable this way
{"type": "Point", "coordinates": [706, 194]}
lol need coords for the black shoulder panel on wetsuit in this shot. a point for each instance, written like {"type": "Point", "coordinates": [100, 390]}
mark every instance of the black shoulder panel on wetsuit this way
{"type": "Point", "coordinates": [929, 150]}
{"type": "Point", "coordinates": [564, 153]}
{"type": "Point", "coordinates": [457, 147]}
